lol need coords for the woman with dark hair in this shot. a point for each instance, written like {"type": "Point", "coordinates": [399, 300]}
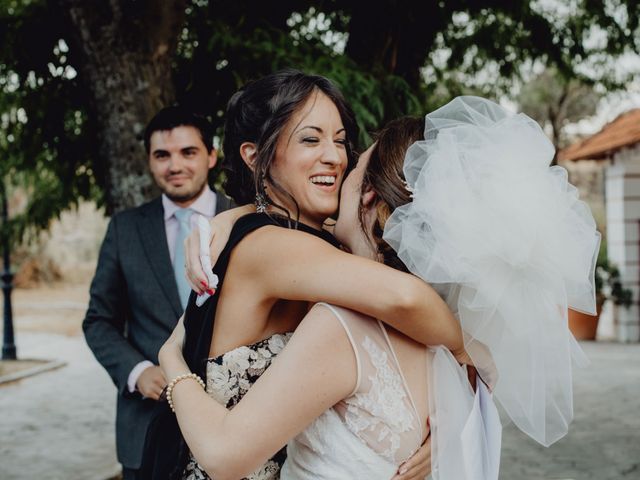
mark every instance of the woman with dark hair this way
{"type": "Point", "coordinates": [288, 140]}
{"type": "Point", "coordinates": [508, 269]}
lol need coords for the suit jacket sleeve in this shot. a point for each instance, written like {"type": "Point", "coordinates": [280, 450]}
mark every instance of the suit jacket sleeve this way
{"type": "Point", "coordinates": [104, 324]}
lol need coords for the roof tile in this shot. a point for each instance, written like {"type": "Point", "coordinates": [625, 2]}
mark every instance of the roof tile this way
{"type": "Point", "coordinates": [624, 131]}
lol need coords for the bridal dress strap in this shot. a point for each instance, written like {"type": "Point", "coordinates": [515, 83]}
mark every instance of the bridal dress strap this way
{"type": "Point", "coordinates": [404, 380]}
{"type": "Point", "coordinates": [353, 344]}
{"type": "Point", "coordinates": [380, 411]}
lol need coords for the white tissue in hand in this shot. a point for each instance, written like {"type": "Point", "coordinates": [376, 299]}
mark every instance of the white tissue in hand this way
{"type": "Point", "coordinates": [205, 259]}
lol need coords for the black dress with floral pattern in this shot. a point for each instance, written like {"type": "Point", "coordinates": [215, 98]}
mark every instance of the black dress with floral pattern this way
{"type": "Point", "coordinates": [229, 377]}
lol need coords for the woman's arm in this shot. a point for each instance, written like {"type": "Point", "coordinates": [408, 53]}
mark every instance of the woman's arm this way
{"type": "Point", "coordinates": [398, 299]}
{"type": "Point", "coordinates": [315, 371]}
{"type": "Point", "coordinates": [293, 265]}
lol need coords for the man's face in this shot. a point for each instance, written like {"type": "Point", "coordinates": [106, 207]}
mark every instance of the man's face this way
{"type": "Point", "coordinates": [179, 162]}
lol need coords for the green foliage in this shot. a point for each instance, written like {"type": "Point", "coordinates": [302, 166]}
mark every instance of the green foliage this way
{"type": "Point", "coordinates": [426, 54]}
{"type": "Point", "coordinates": [209, 72]}
{"type": "Point", "coordinates": [608, 282]}
{"type": "Point", "coordinates": [496, 38]}
{"type": "Point", "coordinates": [43, 136]}
{"type": "Point", "coordinates": [556, 101]}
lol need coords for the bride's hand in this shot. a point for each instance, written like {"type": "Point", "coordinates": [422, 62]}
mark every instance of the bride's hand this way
{"type": "Point", "coordinates": [221, 226]}
{"type": "Point", "coordinates": [418, 466]}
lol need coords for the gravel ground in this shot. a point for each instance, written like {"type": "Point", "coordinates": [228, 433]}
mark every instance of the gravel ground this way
{"type": "Point", "coordinates": [58, 424]}
{"type": "Point", "coordinates": [604, 440]}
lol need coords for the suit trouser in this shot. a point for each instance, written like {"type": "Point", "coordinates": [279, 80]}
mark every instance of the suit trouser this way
{"type": "Point", "coordinates": [130, 474]}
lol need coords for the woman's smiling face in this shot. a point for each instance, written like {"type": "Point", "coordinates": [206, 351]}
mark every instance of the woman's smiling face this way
{"type": "Point", "coordinates": [310, 160]}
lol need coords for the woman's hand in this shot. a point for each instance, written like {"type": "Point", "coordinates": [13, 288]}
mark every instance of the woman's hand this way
{"type": "Point", "coordinates": [221, 226]}
{"type": "Point", "coordinates": [462, 357]}
{"type": "Point", "coordinates": [418, 466]}
{"type": "Point", "coordinates": [483, 367]}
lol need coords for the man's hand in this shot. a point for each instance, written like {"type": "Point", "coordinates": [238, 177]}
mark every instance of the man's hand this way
{"type": "Point", "coordinates": [418, 467]}
{"type": "Point", "coordinates": [151, 382]}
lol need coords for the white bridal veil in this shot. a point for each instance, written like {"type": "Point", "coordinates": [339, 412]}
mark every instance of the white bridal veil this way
{"type": "Point", "coordinates": [506, 241]}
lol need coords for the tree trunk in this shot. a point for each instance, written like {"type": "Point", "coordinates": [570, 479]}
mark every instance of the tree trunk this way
{"type": "Point", "coordinates": [127, 49]}
{"type": "Point", "coordinates": [557, 116]}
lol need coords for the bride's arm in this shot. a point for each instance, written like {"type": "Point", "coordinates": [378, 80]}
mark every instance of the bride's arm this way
{"type": "Point", "coordinates": [292, 265]}
{"type": "Point", "coordinates": [315, 370]}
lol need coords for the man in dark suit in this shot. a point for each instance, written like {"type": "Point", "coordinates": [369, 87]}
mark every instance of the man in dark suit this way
{"type": "Point", "coordinates": [139, 290]}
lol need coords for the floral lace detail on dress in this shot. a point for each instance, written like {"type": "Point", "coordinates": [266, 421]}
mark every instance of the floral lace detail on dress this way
{"type": "Point", "coordinates": [229, 378]}
{"type": "Point", "coordinates": [380, 414]}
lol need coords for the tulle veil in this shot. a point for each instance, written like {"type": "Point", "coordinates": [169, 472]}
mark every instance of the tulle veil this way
{"type": "Point", "coordinates": [506, 241]}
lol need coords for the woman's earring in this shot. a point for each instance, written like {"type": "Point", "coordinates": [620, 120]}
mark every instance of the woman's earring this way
{"type": "Point", "coordinates": [261, 203]}
{"type": "Point", "coordinates": [262, 200]}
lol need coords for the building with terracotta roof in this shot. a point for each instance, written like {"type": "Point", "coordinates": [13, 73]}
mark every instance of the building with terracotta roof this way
{"type": "Point", "coordinates": [619, 144]}
{"type": "Point", "coordinates": [623, 132]}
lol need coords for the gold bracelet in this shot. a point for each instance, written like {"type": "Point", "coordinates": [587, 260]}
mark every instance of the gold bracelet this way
{"type": "Point", "coordinates": [175, 381]}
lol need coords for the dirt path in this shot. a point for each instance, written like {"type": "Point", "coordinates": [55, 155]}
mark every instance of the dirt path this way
{"type": "Point", "coordinates": [59, 308]}
{"type": "Point", "coordinates": [58, 424]}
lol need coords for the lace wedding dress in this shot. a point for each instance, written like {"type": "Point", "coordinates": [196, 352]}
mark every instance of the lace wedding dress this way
{"type": "Point", "coordinates": [372, 431]}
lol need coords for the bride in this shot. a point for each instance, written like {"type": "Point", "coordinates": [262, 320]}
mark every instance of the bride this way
{"type": "Point", "coordinates": [510, 247]}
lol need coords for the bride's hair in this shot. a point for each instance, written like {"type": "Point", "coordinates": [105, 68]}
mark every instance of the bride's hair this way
{"type": "Point", "coordinates": [258, 113]}
{"type": "Point", "coordinates": [385, 177]}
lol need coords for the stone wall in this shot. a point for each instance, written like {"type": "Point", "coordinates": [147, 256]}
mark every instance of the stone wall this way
{"type": "Point", "coordinates": [67, 252]}
{"type": "Point", "coordinates": [588, 177]}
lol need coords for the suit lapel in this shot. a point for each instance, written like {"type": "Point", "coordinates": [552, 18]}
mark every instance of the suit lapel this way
{"type": "Point", "coordinates": [222, 202]}
{"type": "Point", "coordinates": [154, 239]}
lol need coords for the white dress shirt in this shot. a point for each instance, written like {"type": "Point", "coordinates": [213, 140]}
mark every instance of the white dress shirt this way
{"type": "Point", "coordinates": [205, 205]}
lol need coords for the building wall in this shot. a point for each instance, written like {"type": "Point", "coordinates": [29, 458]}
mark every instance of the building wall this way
{"type": "Point", "coordinates": [622, 187]}
{"type": "Point", "coordinates": [588, 177]}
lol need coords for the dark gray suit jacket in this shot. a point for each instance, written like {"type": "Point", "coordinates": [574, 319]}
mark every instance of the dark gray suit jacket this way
{"type": "Point", "coordinates": [133, 309]}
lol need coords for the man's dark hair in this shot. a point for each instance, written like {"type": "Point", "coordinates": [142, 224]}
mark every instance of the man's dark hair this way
{"type": "Point", "coordinates": [178, 116]}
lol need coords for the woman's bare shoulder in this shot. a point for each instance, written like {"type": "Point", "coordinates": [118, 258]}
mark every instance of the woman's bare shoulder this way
{"type": "Point", "coordinates": [325, 323]}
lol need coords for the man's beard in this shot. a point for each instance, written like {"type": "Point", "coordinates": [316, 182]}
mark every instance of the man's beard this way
{"type": "Point", "coordinates": [185, 197]}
